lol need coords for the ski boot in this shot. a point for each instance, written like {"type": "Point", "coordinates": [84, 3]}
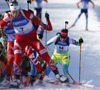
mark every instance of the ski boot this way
{"type": "Point", "coordinates": [6, 81]}
{"type": "Point", "coordinates": [15, 83]}
{"type": "Point", "coordinates": [33, 79]}
{"type": "Point", "coordinates": [60, 78]}
{"type": "Point", "coordinates": [86, 28]}
{"type": "Point", "coordinates": [67, 80]}
{"type": "Point", "coordinates": [2, 77]}
{"type": "Point", "coordinates": [41, 75]}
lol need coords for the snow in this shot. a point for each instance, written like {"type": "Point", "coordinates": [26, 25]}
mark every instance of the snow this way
{"type": "Point", "coordinates": [66, 10]}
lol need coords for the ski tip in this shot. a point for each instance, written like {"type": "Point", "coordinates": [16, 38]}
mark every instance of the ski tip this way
{"type": "Point", "coordinates": [91, 86]}
{"type": "Point", "coordinates": [84, 85]}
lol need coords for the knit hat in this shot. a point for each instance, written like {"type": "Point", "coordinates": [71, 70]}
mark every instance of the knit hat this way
{"type": "Point", "coordinates": [64, 33]}
{"type": "Point", "coordinates": [14, 6]}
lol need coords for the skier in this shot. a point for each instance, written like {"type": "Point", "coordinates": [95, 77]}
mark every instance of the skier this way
{"type": "Point", "coordinates": [9, 30]}
{"type": "Point", "coordinates": [10, 33]}
{"type": "Point", "coordinates": [61, 51]}
{"type": "Point", "coordinates": [38, 8]}
{"type": "Point", "coordinates": [26, 35]}
{"type": "Point", "coordinates": [84, 9]}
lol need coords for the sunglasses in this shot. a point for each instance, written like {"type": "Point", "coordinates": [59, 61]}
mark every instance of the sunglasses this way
{"type": "Point", "coordinates": [13, 4]}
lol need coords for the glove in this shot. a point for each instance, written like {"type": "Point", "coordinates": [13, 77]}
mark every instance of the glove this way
{"type": "Point", "coordinates": [40, 36]}
{"type": "Point", "coordinates": [30, 10]}
{"type": "Point", "coordinates": [47, 16]}
{"type": "Point", "coordinates": [29, 1]}
{"type": "Point", "coordinates": [80, 40]}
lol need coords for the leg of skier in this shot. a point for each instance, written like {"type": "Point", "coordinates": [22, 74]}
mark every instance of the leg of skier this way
{"type": "Point", "coordinates": [29, 51]}
{"type": "Point", "coordinates": [65, 62]}
{"type": "Point", "coordinates": [18, 52]}
{"type": "Point", "coordinates": [33, 74]}
{"type": "Point", "coordinates": [48, 70]}
{"type": "Point", "coordinates": [77, 18]}
{"type": "Point", "coordinates": [8, 68]}
{"type": "Point", "coordinates": [45, 56]}
{"type": "Point", "coordinates": [32, 57]}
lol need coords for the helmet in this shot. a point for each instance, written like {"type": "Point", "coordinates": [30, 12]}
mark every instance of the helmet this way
{"type": "Point", "coordinates": [64, 33]}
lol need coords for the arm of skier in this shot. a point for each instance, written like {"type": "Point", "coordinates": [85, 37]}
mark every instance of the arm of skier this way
{"type": "Point", "coordinates": [32, 1]}
{"type": "Point", "coordinates": [77, 43]}
{"type": "Point", "coordinates": [46, 1]}
{"type": "Point", "coordinates": [5, 20]}
{"type": "Point", "coordinates": [49, 25]}
{"type": "Point", "coordinates": [52, 40]}
{"type": "Point", "coordinates": [77, 4]}
{"type": "Point", "coordinates": [92, 4]}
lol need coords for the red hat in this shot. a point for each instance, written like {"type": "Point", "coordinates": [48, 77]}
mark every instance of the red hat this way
{"type": "Point", "coordinates": [64, 33]}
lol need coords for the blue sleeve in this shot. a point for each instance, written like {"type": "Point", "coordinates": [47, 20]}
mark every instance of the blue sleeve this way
{"type": "Point", "coordinates": [75, 42]}
{"type": "Point", "coordinates": [49, 43]}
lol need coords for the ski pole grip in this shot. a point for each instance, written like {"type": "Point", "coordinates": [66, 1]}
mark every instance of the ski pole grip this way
{"type": "Point", "coordinates": [66, 22]}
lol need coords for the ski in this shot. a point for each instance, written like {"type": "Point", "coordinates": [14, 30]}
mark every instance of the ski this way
{"type": "Point", "coordinates": [8, 87]}
{"type": "Point", "coordinates": [40, 83]}
{"type": "Point", "coordinates": [84, 85]}
{"type": "Point", "coordinates": [69, 84]}
{"type": "Point", "coordinates": [59, 83]}
{"type": "Point", "coordinates": [3, 88]}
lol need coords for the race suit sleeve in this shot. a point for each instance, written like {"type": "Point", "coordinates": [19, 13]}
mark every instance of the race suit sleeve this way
{"type": "Point", "coordinates": [5, 20]}
{"type": "Point", "coordinates": [52, 40]}
{"type": "Point", "coordinates": [77, 4]}
{"type": "Point", "coordinates": [38, 22]}
{"type": "Point", "coordinates": [72, 41]}
{"type": "Point", "coordinates": [92, 3]}
{"type": "Point", "coordinates": [29, 15]}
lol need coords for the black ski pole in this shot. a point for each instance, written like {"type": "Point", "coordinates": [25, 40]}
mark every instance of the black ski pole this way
{"type": "Point", "coordinates": [66, 23]}
{"type": "Point", "coordinates": [7, 2]}
{"type": "Point", "coordinates": [71, 77]}
{"type": "Point", "coordinates": [28, 1]}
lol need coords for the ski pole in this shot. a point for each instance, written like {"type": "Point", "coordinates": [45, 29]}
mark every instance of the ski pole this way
{"type": "Point", "coordinates": [46, 26]}
{"type": "Point", "coordinates": [80, 65]}
{"type": "Point", "coordinates": [46, 31]}
{"type": "Point", "coordinates": [28, 1]}
{"type": "Point", "coordinates": [7, 2]}
{"type": "Point", "coordinates": [59, 62]}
